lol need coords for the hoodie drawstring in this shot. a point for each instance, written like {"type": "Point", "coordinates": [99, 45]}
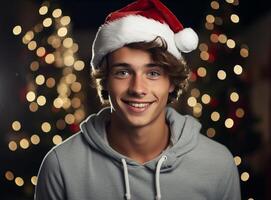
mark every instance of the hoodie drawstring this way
{"type": "Point", "coordinates": [126, 180]}
{"type": "Point", "coordinates": [157, 178]}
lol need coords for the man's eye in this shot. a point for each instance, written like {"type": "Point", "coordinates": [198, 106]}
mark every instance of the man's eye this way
{"type": "Point", "coordinates": [154, 74]}
{"type": "Point", "coordinates": [121, 73]}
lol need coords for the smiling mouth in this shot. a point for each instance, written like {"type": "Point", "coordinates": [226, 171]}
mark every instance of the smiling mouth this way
{"type": "Point", "coordinates": [140, 106]}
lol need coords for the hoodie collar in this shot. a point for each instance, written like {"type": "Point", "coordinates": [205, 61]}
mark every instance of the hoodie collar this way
{"type": "Point", "coordinates": [184, 137]}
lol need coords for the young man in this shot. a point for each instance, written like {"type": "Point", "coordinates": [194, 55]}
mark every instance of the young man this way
{"type": "Point", "coordinates": [138, 148]}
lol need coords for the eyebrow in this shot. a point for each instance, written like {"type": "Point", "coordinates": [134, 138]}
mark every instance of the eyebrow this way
{"type": "Point", "coordinates": [128, 65]}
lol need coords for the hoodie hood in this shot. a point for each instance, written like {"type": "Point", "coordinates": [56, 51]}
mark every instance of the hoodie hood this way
{"type": "Point", "coordinates": [184, 137]}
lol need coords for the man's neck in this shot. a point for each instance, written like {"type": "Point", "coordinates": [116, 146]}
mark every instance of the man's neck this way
{"type": "Point", "coordinates": [139, 143]}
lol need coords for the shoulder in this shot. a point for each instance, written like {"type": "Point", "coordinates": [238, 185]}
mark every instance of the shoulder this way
{"type": "Point", "coordinates": [217, 156]}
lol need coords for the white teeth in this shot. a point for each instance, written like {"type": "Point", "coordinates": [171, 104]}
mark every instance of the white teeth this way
{"type": "Point", "coordinates": [138, 105]}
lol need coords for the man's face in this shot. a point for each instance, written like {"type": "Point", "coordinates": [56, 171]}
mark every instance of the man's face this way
{"type": "Point", "coordinates": [138, 88]}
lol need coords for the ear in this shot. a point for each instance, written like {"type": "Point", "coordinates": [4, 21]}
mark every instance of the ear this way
{"type": "Point", "coordinates": [171, 87]}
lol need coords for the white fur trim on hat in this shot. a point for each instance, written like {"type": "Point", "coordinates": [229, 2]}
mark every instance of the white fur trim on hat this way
{"type": "Point", "coordinates": [186, 40]}
{"type": "Point", "coordinates": [133, 28]}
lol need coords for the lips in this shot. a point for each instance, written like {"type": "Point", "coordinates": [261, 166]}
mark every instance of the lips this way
{"type": "Point", "coordinates": [136, 106]}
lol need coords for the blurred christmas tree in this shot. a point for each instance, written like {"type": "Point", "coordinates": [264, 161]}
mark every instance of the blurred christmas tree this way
{"type": "Point", "coordinates": [220, 91]}
{"type": "Point", "coordinates": [52, 100]}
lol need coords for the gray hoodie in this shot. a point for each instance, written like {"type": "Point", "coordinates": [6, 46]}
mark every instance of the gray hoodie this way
{"type": "Point", "coordinates": [85, 167]}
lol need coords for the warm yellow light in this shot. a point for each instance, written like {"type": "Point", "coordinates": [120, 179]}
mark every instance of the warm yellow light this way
{"type": "Point", "coordinates": [67, 103]}
{"type": "Point", "coordinates": [234, 18]}
{"type": "Point", "coordinates": [47, 22]}
{"type": "Point", "coordinates": [40, 51]}
{"type": "Point", "coordinates": [250, 199]}
{"type": "Point", "coordinates": [65, 20]}
{"type": "Point", "coordinates": [210, 19]}
{"type": "Point", "coordinates": [49, 58]}
{"type": "Point", "coordinates": [222, 38]}
{"type": "Point", "coordinates": [58, 102]}
{"type": "Point", "coordinates": [68, 42]}
{"type": "Point", "coordinates": [197, 109]}
{"type": "Point", "coordinates": [34, 180]}
{"type": "Point", "coordinates": [211, 132]}
{"type": "Point", "coordinates": [16, 126]}
{"type": "Point", "coordinates": [206, 99]}
{"type": "Point", "coordinates": [203, 47]}
{"type": "Point", "coordinates": [70, 78]}
{"type": "Point", "coordinates": [240, 112]}
{"type": "Point", "coordinates": [76, 87]}
{"type": "Point", "coordinates": [17, 30]}
{"type": "Point", "coordinates": [56, 42]}
{"type": "Point", "coordinates": [19, 181]}
{"type": "Point", "coordinates": [234, 96]}
{"type": "Point", "coordinates": [214, 38]}
{"type": "Point", "coordinates": [57, 13]}
{"type": "Point", "coordinates": [238, 69]}
{"type": "Point", "coordinates": [28, 37]}
{"type": "Point", "coordinates": [69, 119]}
{"type": "Point", "coordinates": [41, 100]}
{"type": "Point", "coordinates": [244, 52]}
{"type": "Point", "coordinates": [215, 5]}
{"type": "Point", "coordinates": [12, 146]}
{"type": "Point", "coordinates": [191, 101]}
{"type": "Point", "coordinates": [62, 89]}
{"type": "Point", "coordinates": [62, 32]}
{"type": "Point", "coordinates": [229, 123]}
{"type": "Point", "coordinates": [35, 139]}
{"type": "Point", "coordinates": [43, 10]}
{"type": "Point", "coordinates": [24, 143]}
{"type": "Point", "coordinates": [230, 43]}
{"type": "Point", "coordinates": [76, 102]}
{"type": "Point", "coordinates": [79, 115]}
{"type": "Point", "coordinates": [57, 139]}
{"type": "Point", "coordinates": [30, 96]}
{"type": "Point", "coordinates": [215, 116]}
{"type": "Point", "coordinates": [40, 79]}
{"type": "Point", "coordinates": [50, 82]}
{"type": "Point", "coordinates": [195, 92]}
{"type": "Point", "coordinates": [204, 55]}
{"type": "Point", "coordinates": [75, 47]}
{"type": "Point", "coordinates": [229, 1]}
{"type": "Point", "coordinates": [244, 176]}
{"type": "Point", "coordinates": [79, 65]}
{"type": "Point", "coordinates": [46, 127]}
{"type": "Point", "coordinates": [201, 71]}
{"type": "Point", "coordinates": [221, 74]}
{"type": "Point", "coordinates": [9, 175]}
{"type": "Point", "coordinates": [33, 107]}
{"type": "Point", "coordinates": [34, 66]}
{"type": "Point", "coordinates": [237, 160]}
{"type": "Point", "coordinates": [68, 60]}
{"type": "Point", "coordinates": [32, 45]}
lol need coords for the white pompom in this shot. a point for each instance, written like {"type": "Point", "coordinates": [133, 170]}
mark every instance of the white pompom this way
{"type": "Point", "coordinates": [186, 40]}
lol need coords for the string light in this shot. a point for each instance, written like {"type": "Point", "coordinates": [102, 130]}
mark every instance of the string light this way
{"type": "Point", "coordinates": [57, 13]}
{"type": "Point", "coordinates": [46, 127]}
{"type": "Point", "coordinates": [17, 30]}
{"type": "Point", "coordinates": [211, 132]}
{"type": "Point", "coordinates": [206, 99]}
{"type": "Point", "coordinates": [234, 96]}
{"type": "Point", "coordinates": [79, 65]}
{"type": "Point", "coordinates": [221, 74]}
{"type": "Point", "coordinates": [191, 101]}
{"type": "Point", "coordinates": [237, 160]}
{"type": "Point", "coordinates": [238, 69]}
{"type": "Point", "coordinates": [16, 126]}
{"type": "Point", "coordinates": [215, 5]}
{"type": "Point", "coordinates": [229, 123]}
{"type": "Point", "coordinates": [245, 176]}
{"type": "Point", "coordinates": [195, 92]}
{"type": "Point", "coordinates": [43, 10]}
{"type": "Point", "coordinates": [215, 116]}
{"type": "Point", "coordinates": [234, 18]}
{"type": "Point", "coordinates": [230, 43]}
{"type": "Point", "coordinates": [57, 139]}
{"type": "Point", "coordinates": [201, 72]}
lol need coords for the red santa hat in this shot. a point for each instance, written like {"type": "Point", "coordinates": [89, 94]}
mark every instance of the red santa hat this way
{"type": "Point", "coordinates": [142, 21]}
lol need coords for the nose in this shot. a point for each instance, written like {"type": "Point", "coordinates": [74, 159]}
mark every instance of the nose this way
{"type": "Point", "coordinates": [138, 86]}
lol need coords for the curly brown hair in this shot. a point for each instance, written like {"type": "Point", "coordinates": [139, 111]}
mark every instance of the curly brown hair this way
{"type": "Point", "coordinates": [176, 69]}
